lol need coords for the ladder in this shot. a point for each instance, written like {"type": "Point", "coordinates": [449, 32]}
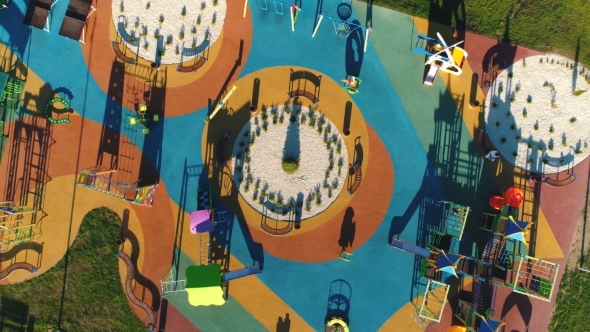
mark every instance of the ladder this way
{"type": "Point", "coordinates": [494, 245]}
{"type": "Point", "coordinates": [205, 248]}
{"type": "Point", "coordinates": [478, 296]}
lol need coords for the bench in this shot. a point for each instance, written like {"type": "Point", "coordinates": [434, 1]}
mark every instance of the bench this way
{"type": "Point", "coordinates": [119, 55]}
{"type": "Point", "coordinates": [482, 142]}
{"type": "Point", "coordinates": [220, 148]}
{"type": "Point", "coordinates": [303, 93]}
{"type": "Point", "coordinates": [358, 177]}
{"type": "Point", "coordinates": [489, 76]}
{"type": "Point", "coordinates": [561, 183]}
{"type": "Point", "coordinates": [274, 231]}
{"type": "Point", "coordinates": [191, 68]}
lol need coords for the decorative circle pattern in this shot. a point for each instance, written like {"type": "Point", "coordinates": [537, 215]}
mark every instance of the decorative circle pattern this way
{"type": "Point", "coordinates": [535, 113]}
{"type": "Point", "coordinates": [168, 32]}
{"type": "Point", "coordinates": [295, 132]}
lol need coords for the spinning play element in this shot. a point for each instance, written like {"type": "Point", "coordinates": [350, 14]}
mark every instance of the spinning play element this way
{"type": "Point", "coordinates": [452, 63]}
{"type": "Point", "coordinates": [351, 84]}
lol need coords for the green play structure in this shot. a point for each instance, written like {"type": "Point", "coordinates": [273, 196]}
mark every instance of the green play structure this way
{"type": "Point", "coordinates": [14, 227]}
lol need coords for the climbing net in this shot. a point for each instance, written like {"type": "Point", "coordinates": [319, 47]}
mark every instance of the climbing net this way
{"type": "Point", "coordinates": [343, 29]}
{"type": "Point", "coordinates": [536, 277]}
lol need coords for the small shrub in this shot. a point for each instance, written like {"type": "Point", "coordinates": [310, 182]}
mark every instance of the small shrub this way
{"type": "Point", "coordinates": [545, 161]}
{"type": "Point", "coordinates": [203, 6]}
{"type": "Point", "coordinates": [541, 148]}
{"type": "Point", "coordinates": [541, 60]}
{"type": "Point", "coordinates": [290, 165]}
{"type": "Point", "coordinates": [121, 8]}
{"type": "Point", "coordinates": [194, 30]}
{"type": "Point", "coordinates": [215, 3]}
{"type": "Point", "coordinates": [512, 126]}
{"type": "Point", "coordinates": [177, 51]}
{"type": "Point", "coordinates": [512, 99]}
{"type": "Point", "coordinates": [131, 39]}
{"type": "Point", "coordinates": [496, 124]}
{"type": "Point", "coordinates": [550, 147]}
{"type": "Point", "coordinates": [198, 22]}
{"type": "Point", "coordinates": [519, 138]}
{"type": "Point", "coordinates": [517, 88]}
{"type": "Point", "coordinates": [578, 92]}
{"type": "Point", "coordinates": [578, 151]}
{"type": "Point", "coordinates": [562, 161]}
{"type": "Point", "coordinates": [183, 12]}
{"type": "Point", "coordinates": [156, 35]}
{"type": "Point", "coordinates": [500, 89]}
{"type": "Point", "coordinates": [564, 143]}
{"type": "Point", "coordinates": [494, 104]}
{"type": "Point", "coordinates": [530, 161]}
{"type": "Point", "coordinates": [524, 114]}
{"type": "Point", "coordinates": [551, 130]}
{"type": "Point", "coordinates": [161, 19]}
{"type": "Point", "coordinates": [536, 126]}
{"type": "Point", "coordinates": [515, 154]}
{"type": "Point", "coordinates": [508, 113]}
{"type": "Point", "coordinates": [531, 145]}
{"type": "Point", "coordinates": [573, 120]}
{"type": "Point", "coordinates": [147, 6]}
{"type": "Point", "coordinates": [529, 99]}
{"type": "Point", "coordinates": [162, 53]}
{"type": "Point", "coordinates": [145, 46]}
{"type": "Point", "coordinates": [169, 41]}
{"type": "Point", "coordinates": [510, 75]}
{"type": "Point", "coordinates": [503, 139]}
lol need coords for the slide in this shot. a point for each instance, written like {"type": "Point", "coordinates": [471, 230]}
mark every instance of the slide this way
{"type": "Point", "coordinates": [15, 267]}
{"type": "Point", "coordinates": [429, 80]}
{"type": "Point", "coordinates": [247, 271]}
{"type": "Point", "coordinates": [131, 295]}
{"type": "Point", "coordinates": [411, 248]}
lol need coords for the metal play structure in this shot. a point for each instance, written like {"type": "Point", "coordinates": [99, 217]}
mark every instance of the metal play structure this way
{"type": "Point", "coordinates": [474, 321]}
{"type": "Point", "coordinates": [169, 284]}
{"type": "Point", "coordinates": [13, 229]}
{"type": "Point", "coordinates": [455, 218]}
{"type": "Point", "coordinates": [430, 302]}
{"type": "Point", "coordinates": [533, 277]}
{"type": "Point", "coordinates": [100, 179]}
{"type": "Point", "coordinates": [343, 28]}
{"type": "Point", "coordinates": [451, 62]}
{"type": "Point", "coordinates": [279, 9]}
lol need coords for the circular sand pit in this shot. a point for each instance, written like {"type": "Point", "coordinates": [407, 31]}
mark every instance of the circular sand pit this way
{"type": "Point", "coordinates": [168, 32]}
{"type": "Point", "coordinates": [289, 162]}
{"type": "Point", "coordinates": [535, 114]}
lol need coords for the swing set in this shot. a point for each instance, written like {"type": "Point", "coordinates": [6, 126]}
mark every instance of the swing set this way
{"type": "Point", "coordinates": [343, 28]}
{"type": "Point", "coordinates": [279, 9]}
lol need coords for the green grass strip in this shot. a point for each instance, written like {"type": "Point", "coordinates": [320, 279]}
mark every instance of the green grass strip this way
{"type": "Point", "coordinates": [94, 298]}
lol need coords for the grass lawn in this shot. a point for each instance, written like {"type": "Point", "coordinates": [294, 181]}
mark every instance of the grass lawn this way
{"type": "Point", "coordinates": [573, 301]}
{"type": "Point", "coordinates": [544, 25]}
{"type": "Point", "coordinates": [94, 298]}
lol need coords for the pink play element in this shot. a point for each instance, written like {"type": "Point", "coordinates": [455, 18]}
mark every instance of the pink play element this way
{"type": "Point", "coordinates": [200, 221]}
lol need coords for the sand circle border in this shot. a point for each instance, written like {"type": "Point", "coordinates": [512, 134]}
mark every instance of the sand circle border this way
{"type": "Point", "coordinates": [137, 25]}
{"type": "Point", "coordinates": [534, 119]}
{"type": "Point", "coordinates": [262, 144]}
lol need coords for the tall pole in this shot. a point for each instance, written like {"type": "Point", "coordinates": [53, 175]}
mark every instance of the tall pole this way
{"type": "Point", "coordinates": [368, 30]}
{"type": "Point", "coordinates": [245, 7]}
{"type": "Point", "coordinates": [318, 25]}
{"type": "Point", "coordinates": [292, 21]}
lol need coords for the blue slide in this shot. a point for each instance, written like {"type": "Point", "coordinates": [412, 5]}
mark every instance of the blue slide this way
{"type": "Point", "coordinates": [247, 271]}
{"type": "Point", "coordinates": [411, 248]}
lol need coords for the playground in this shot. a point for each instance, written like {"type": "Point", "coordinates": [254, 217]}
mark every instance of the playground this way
{"type": "Point", "coordinates": [284, 167]}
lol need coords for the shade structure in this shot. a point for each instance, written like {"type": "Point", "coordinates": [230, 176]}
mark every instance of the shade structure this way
{"type": "Point", "coordinates": [200, 221]}
{"type": "Point", "coordinates": [448, 263]}
{"type": "Point", "coordinates": [516, 230]}
{"type": "Point", "coordinates": [203, 285]}
{"type": "Point", "coordinates": [513, 197]}
{"type": "Point", "coordinates": [487, 325]}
